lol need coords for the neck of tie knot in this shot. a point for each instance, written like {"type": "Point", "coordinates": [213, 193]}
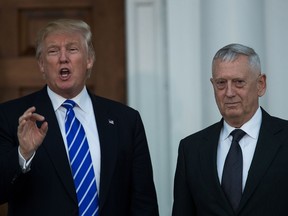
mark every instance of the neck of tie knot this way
{"type": "Point", "coordinates": [237, 134]}
{"type": "Point", "coordinates": [69, 104]}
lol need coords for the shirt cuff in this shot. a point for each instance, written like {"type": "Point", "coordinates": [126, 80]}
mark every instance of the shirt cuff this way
{"type": "Point", "coordinates": [25, 165]}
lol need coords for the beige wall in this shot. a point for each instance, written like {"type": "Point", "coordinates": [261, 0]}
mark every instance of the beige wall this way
{"type": "Point", "coordinates": [170, 45]}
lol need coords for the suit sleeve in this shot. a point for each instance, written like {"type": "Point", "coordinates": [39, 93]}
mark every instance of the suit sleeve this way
{"type": "Point", "coordinates": [183, 201]}
{"type": "Point", "coordinates": [144, 200]}
{"type": "Point", "coordinates": [9, 161]}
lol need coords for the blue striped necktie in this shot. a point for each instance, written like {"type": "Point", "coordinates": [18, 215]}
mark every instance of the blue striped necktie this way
{"type": "Point", "coordinates": [81, 163]}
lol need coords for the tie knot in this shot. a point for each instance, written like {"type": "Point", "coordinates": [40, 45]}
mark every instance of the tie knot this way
{"type": "Point", "coordinates": [237, 134]}
{"type": "Point", "coordinates": [68, 104]}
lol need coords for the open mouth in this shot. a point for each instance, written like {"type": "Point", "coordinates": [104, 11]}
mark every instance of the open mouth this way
{"type": "Point", "coordinates": [65, 73]}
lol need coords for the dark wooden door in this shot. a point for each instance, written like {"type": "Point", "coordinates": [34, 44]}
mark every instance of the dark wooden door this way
{"type": "Point", "coordinates": [19, 22]}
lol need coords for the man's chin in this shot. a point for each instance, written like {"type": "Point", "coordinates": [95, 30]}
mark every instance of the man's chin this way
{"type": "Point", "coordinates": [232, 113]}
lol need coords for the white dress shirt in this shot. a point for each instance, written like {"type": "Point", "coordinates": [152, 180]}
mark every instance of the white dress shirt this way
{"type": "Point", "coordinates": [85, 114]}
{"type": "Point", "coordinates": [247, 144]}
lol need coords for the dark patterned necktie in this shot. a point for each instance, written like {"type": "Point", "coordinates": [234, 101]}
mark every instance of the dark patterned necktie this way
{"type": "Point", "coordinates": [232, 171]}
{"type": "Point", "coordinates": [81, 163]}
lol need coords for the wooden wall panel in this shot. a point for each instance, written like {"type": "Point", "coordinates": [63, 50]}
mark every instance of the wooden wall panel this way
{"type": "Point", "coordinates": [20, 20]}
{"type": "Point", "coordinates": [31, 20]}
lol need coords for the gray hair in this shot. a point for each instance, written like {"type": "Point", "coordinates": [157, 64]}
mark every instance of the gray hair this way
{"type": "Point", "coordinates": [232, 51]}
{"type": "Point", "coordinates": [65, 25]}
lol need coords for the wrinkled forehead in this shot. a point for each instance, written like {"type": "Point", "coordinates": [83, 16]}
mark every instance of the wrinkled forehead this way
{"type": "Point", "coordinates": [60, 38]}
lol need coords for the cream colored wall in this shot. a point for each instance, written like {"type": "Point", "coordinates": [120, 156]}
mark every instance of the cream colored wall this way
{"type": "Point", "coordinates": [170, 45]}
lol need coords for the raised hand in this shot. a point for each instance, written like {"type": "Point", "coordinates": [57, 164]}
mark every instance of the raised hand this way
{"type": "Point", "coordinates": [30, 136]}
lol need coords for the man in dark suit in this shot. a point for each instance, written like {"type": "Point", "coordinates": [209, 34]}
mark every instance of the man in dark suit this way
{"type": "Point", "coordinates": [206, 182]}
{"type": "Point", "coordinates": [36, 175]}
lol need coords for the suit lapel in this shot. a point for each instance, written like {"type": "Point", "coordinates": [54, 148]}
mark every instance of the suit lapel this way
{"type": "Point", "coordinates": [107, 130]}
{"type": "Point", "coordinates": [53, 143]}
{"type": "Point", "coordinates": [267, 146]}
{"type": "Point", "coordinates": [208, 160]}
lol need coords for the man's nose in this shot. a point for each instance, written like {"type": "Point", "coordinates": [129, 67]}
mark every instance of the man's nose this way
{"type": "Point", "coordinates": [230, 89]}
{"type": "Point", "coordinates": [63, 56]}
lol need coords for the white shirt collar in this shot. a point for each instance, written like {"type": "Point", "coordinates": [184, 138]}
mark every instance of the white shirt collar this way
{"type": "Point", "coordinates": [251, 127]}
{"type": "Point", "coordinates": [80, 99]}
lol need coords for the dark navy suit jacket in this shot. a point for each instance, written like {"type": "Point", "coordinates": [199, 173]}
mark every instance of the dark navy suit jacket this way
{"type": "Point", "coordinates": [126, 179]}
{"type": "Point", "coordinates": [197, 189]}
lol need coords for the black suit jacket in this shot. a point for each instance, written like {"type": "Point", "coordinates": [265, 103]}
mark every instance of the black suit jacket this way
{"type": "Point", "coordinates": [197, 189]}
{"type": "Point", "coordinates": [126, 180]}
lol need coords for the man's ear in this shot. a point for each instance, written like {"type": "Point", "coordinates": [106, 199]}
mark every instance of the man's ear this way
{"type": "Point", "coordinates": [41, 65]}
{"type": "Point", "coordinates": [261, 85]}
{"type": "Point", "coordinates": [90, 62]}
